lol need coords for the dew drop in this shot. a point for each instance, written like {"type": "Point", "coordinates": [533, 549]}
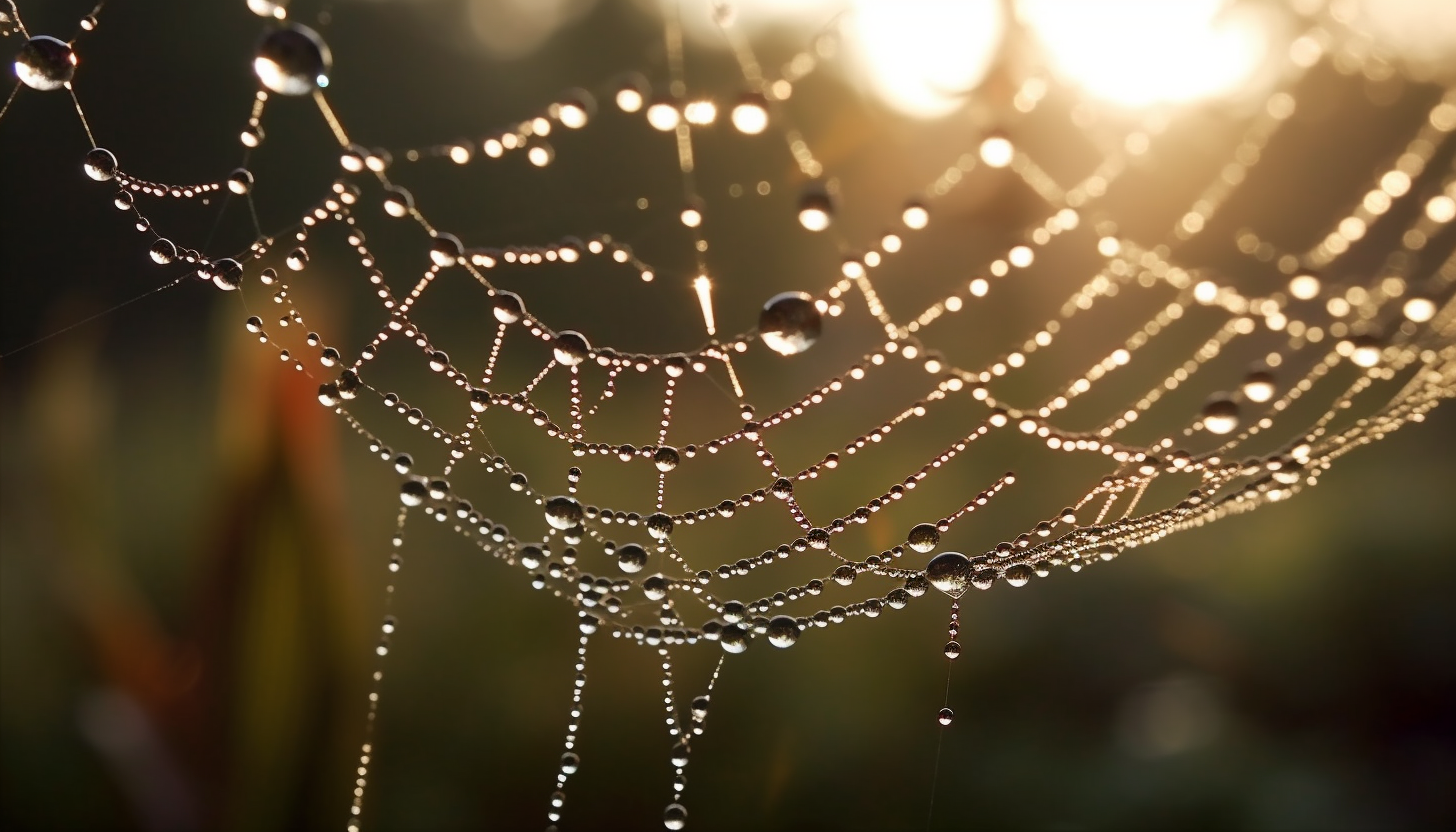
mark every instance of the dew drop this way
{"type": "Point", "coordinates": [45, 63]}
{"type": "Point", "coordinates": [570, 762]}
{"type": "Point", "coordinates": [815, 210]}
{"type": "Point", "coordinates": [100, 164]}
{"type": "Point", "coordinates": [789, 323]}
{"type": "Point", "coordinates": [782, 631]}
{"type": "Point", "coordinates": [240, 181]}
{"type": "Point", "coordinates": [665, 458]}
{"type": "Point", "coordinates": [750, 114]}
{"type": "Point", "coordinates": [952, 650]}
{"type": "Point", "coordinates": [674, 816]}
{"type": "Point", "coordinates": [1019, 575]}
{"type": "Point", "coordinates": [1220, 415]}
{"type": "Point", "coordinates": [445, 250]}
{"type": "Point", "coordinates": [292, 60]}
{"type": "Point", "coordinates": [631, 557]}
{"type": "Point", "coordinates": [945, 717]}
{"type": "Point", "coordinates": [163, 251]}
{"type": "Point", "coordinates": [563, 512]}
{"type": "Point", "coordinates": [923, 538]}
{"type": "Point", "coordinates": [413, 493]}
{"type": "Point", "coordinates": [509, 308]}
{"type": "Point", "coordinates": [1259, 386]}
{"type": "Point", "coordinates": [398, 202]}
{"type": "Point", "coordinates": [659, 525]}
{"type": "Point", "coordinates": [226, 274]}
{"type": "Point", "coordinates": [297, 259]}
{"type": "Point", "coordinates": [733, 639]}
{"type": "Point", "coordinates": [950, 572]}
{"type": "Point", "coordinates": [571, 348]}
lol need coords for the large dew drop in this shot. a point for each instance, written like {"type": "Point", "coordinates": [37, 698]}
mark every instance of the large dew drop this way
{"type": "Point", "coordinates": [923, 538]}
{"type": "Point", "coordinates": [571, 348]}
{"type": "Point", "coordinates": [632, 557]}
{"type": "Point", "coordinates": [675, 816]}
{"type": "Point", "coordinates": [563, 512]}
{"type": "Point", "coordinates": [950, 572]}
{"type": "Point", "coordinates": [45, 63]}
{"type": "Point", "coordinates": [100, 164]}
{"type": "Point", "coordinates": [789, 323]}
{"type": "Point", "coordinates": [292, 60]}
{"type": "Point", "coordinates": [509, 307]}
{"type": "Point", "coordinates": [782, 631]}
{"type": "Point", "coordinates": [1220, 415]}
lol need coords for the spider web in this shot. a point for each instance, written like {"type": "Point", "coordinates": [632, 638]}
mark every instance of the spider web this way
{"type": "Point", "coordinates": [683, 488]}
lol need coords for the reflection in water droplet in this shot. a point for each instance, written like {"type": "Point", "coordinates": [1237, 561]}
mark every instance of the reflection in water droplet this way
{"type": "Point", "coordinates": [923, 538]}
{"type": "Point", "coordinates": [100, 164]}
{"type": "Point", "coordinates": [292, 60]}
{"type": "Point", "coordinates": [45, 63]}
{"type": "Point", "coordinates": [789, 323]}
{"type": "Point", "coordinates": [945, 717]}
{"type": "Point", "coordinates": [950, 572]}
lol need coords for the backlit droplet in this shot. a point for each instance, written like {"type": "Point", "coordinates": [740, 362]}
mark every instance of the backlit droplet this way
{"type": "Point", "coordinates": [923, 538]}
{"type": "Point", "coordinates": [1259, 386]}
{"type": "Point", "coordinates": [563, 512]}
{"type": "Point", "coordinates": [663, 115]}
{"type": "Point", "coordinates": [576, 109]}
{"type": "Point", "coordinates": [226, 274]}
{"type": "Point", "coordinates": [782, 631]}
{"type": "Point", "coordinates": [252, 136]}
{"type": "Point", "coordinates": [750, 114]}
{"type": "Point", "coordinates": [997, 151]}
{"type": "Point", "coordinates": [297, 259]}
{"type": "Point", "coordinates": [445, 250]}
{"type": "Point", "coordinates": [1019, 574]}
{"type": "Point", "coordinates": [570, 762]}
{"type": "Point", "coordinates": [631, 93]}
{"type": "Point", "coordinates": [1220, 415]}
{"type": "Point", "coordinates": [952, 650]}
{"type": "Point", "coordinates": [950, 572]}
{"type": "Point", "coordinates": [571, 348]}
{"type": "Point", "coordinates": [659, 525]}
{"type": "Point", "coordinates": [1366, 351]}
{"type": "Point", "coordinates": [665, 458]}
{"type": "Point", "coordinates": [398, 202]}
{"type": "Point", "coordinates": [945, 717]}
{"type": "Point", "coordinates": [631, 557]}
{"type": "Point", "coordinates": [815, 210]}
{"type": "Point", "coordinates": [675, 816]}
{"type": "Point", "coordinates": [413, 493]}
{"type": "Point", "coordinates": [240, 181]}
{"type": "Point", "coordinates": [45, 63]}
{"type": "Point", "coordinates": [733, 639]}
{"type": "Point", "coordinates": [100, 164]}
{"type": "Point", "coordinates": [163, 251]}
{"type": "Point", "coordinates": [292, 60]}
{"type": "Point", "coordinates": [915, 216]}
{"type": "Point", "coordinates": [789, 323]}
{"type": "Point", "coordinates": [509, 307]}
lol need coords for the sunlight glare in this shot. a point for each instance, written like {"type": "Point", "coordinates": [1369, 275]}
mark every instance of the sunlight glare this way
{"type": "Point", "coordinates": [922, 56]}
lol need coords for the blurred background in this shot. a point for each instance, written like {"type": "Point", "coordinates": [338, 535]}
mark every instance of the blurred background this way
{"type": "Point", "coordinates": [192, 551]}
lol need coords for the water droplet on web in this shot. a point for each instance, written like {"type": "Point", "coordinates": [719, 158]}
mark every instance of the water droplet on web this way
{"type": "Point", "coordinates": [240, 181]}
{"type": "Point", "coordinates": [782, 488]}
{"type": "Point", "coordinates": [733, 639]}
{"type": "Point", "coordinates": [297, 259]}
{"type": "Point", "coordinates": [675, 817]}
{"type": "Point", "coordinates": [945, 717]}
{"type": "Point", "coordinates": [252, 136]}
{"type": "Point", "coordinates": [100, 164]}
{"type": "Point", "coordinates": [844, 574]}
{"type": "Point", "coordinates": [816, 210]}
{"type": "Point", "coordinates": [952, 650]}
{"type": "Point", "coordinates": [292, 60]}
{"type": "Point", "coordinates": [398, 202]}
{"type": "Point", "coordinates": [413, 493]}
{"type": "Point", "coordinates": [163, 251]}
{"type": "Point", "coordinates": [570, 762]}
{"type": "Point", "coordinates": [509, 308]}
{"type": "Point", "coordinates": [45, 63]}
{"type": "Point", "coordinates": [89, 23]}
{"type": "Point", "coordinates": [563, 512]}
{"type": "Point", "coordinates": [571, 348]}
{"type": "Point", "coordinates": [782, 631]}
{"type": "Point", "coordinates": [445, 250]}
{"type": "Point", "coordinates": [631, 557]}
{"type": "Point", "coordinates": [950, 572]}
{"type": "Point", "coordinates": [915, 216]}
{"type": "Point", "coordinates": [659, 525]}
{"type": "Point", "coordinates": [226, 274]}
{"type": "Point", "coordinates": [1019, 574]}
{"type": "Point", "coordinates": [750, 114]}
{"type": "Point", "coordinates": [1259, 386]}
{"type": "Point", "coordinates": [923, 538]}
{"type": "Point", "coordinates": [665, 458]}
{"type": "Point", "coordinates": [1220, 415]}
{"type": "Point", "coordinates": [789, 323]}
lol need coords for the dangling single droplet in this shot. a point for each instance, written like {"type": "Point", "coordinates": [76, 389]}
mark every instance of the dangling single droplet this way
{"type": "Point", "coordinates": [509, 307]}
{"type": "Point", "coordinates": [675, 817]}
{"type": "Point", "coordinates": [45, 63]}
{"type": "Point", "coordinates": [297, 259]}
{"type": "Point", "coordinates": [950, 572]}
{"type": "Point", "coordinates": [782, 631]}
{"type": "Point", "coordinates": [571, 348]}
{"type": "Point", "coordinates": [952, 650]}
{"type": "Point", "coordinates": [240, 181]}
{"type": "Point", "coordinates": [815, 210]}
{"type": "Point", "coordinates": [631, 557]}
{"type": "Point", "coordinates": [789, 323]}
{"type": "Point", "coordinates": [923, 538]}
{"type": "Point", "coordinates": [292, 60]}
{"type": "Point", "coordinates": [945, 717]}
{"type": "Point", "coordinates": [563, 512]}
{"type": "Point", "coordinates": [1220, 415]}
{"type": "Point", "coordinates": [100, 164]}
{"type": "Point", "coordinates": [1259, 386]}
{"type": "Point", "coordinates": [398, 202]}
{"type": "Point", "coordinates": [163, 251]}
